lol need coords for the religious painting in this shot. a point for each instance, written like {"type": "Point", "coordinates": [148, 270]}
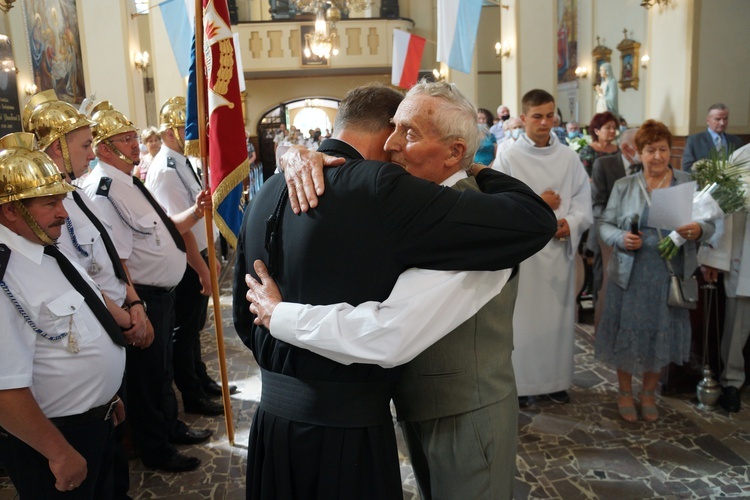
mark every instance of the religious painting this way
{"type": "Point", "coordinates": [601, 55]}
{"type": "Point", "coordinates": [55, 47]}
{"type": "Point", "coordinates": [312, 60]}
{"type": "Point", "coordinates": [10, 115]}
{"type": "Point", "coordinates": [629, 58]}
{"type": "Point", "coordinates": [567, 40]}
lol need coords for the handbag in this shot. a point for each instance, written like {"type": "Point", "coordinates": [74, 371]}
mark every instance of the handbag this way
{"type": "Point", "coordinates": [682, 292]}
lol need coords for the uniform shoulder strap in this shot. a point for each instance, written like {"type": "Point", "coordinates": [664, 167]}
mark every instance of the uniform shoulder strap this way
{"type": "Point", "coordinates": [104, 187]}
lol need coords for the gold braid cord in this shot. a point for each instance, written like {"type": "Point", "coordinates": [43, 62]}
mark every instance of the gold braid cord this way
{"type": "Point", "coordinates": [33, 224]}
{"type": "Point", "coordinates": [66, 157]}
{"type": "Point", "coordinates": [237, 176]}
{"type": "Point", "coordinates": [119, 154]}
{"type": "Point", "coordinates": [226, 67]}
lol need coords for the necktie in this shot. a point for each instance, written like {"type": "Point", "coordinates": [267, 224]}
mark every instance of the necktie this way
{"type": "Point", "coordinates": [89, 295]}
{"type": "Point", "coordinates": [719, 145]}
{"type": "Point", "coordinates": [108, 245]}
{"type": "Point", "coordinates": [192, 170]}
{"type": "Point", "coordinates": [162, 215]}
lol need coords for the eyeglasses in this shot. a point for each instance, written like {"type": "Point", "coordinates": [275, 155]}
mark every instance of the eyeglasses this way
{"type": "Point", "coordinates": [127, 140]}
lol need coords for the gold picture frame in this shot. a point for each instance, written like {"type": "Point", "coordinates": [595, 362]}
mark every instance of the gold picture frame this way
{"type": "Point", "coordinates": [629, 62]}
{"type": "Point", "coordinates": [601, 55]}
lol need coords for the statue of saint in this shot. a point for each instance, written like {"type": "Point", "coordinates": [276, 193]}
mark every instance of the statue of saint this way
{"type": "Point", "coordinates": [606, 91]}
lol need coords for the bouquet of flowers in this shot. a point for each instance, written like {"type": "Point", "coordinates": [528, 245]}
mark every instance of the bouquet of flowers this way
{"type": "Point", "coordinates": [724, 188]}
{"type": "Point", "coordinates": [579, 142]}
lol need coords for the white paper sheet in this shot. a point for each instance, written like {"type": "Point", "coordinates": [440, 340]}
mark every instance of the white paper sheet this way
{"type": "Point", "coordinates": [672, 207]}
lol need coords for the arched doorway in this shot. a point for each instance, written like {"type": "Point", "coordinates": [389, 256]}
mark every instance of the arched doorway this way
{"type": "Point", "coordinates": [304, 113]}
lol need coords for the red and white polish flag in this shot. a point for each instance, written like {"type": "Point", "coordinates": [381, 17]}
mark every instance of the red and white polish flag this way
{"type": "Point", "coordinates": [407, 56]}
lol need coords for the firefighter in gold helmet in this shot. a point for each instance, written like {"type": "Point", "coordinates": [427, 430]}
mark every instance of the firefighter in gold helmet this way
{"type": "Point", "coordinates": [61, 131]}
{"type": "Point", "coordinates": [176, 184]}
{"type": "Point", "coordinates": [63, 357]}
{"type": "Point", "coordinates": [150, 243]}
{"type": "Point", "coordinates": [66, 135]}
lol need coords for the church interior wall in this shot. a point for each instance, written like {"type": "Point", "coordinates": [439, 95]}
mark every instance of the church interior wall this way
{"type": "Point", "coordinates": [722, 71]}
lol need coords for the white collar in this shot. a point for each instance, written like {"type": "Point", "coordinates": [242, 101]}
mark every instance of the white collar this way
{"type": "Point", "coordinates": [453, 179]}
{"type": "Point", "coordinates": [32, 251]}
{"type": "Point", "coordinates": [114, 172]}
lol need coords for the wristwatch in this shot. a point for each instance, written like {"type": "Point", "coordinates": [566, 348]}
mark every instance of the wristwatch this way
{"type": "Point", "coordinates": [136, 302]}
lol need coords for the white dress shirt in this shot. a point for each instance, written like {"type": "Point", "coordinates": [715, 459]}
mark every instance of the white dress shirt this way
{"type": "Point", "coordinates": [140, 236]}
{"type": "Point", "coordinates": [422, 308]}
{"type": "Point", "coordinates": [62, 382]}
{"type": "Point", "coordinates": [176, 188]}
{"type": "Point", "coordinates": [97, 263]}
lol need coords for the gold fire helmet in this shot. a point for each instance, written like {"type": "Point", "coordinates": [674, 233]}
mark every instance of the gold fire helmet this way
{"type": "Point", "coordinates": [49, 118]}
{"type": "Point", "coordinates": [172, 114]}
{"type": "Point", "coordinates": [26, 172]}
{"type": "Point", "coordinates": [108, 122]}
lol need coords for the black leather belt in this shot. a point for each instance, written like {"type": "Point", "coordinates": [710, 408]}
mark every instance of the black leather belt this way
{"type": "Point", "coordinates": [103, 412]}
{"type": "Point", "coordinates": [324, 403]}
{"type": "Point", "coordinates": [155, 289]}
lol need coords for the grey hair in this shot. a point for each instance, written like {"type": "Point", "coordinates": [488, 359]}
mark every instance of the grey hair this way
{"type": "Point", "coordinates": [719, 105]}
{"type": "Point", "coordinates": [628, 136]}
{"type": "Point", "coordinates": [456, 118]}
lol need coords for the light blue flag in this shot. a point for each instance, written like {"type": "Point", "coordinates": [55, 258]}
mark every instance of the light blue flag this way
{"type": "Point", "coordinates": [458, 21]}
{"type": "Point", "coordinates": [179, 18]}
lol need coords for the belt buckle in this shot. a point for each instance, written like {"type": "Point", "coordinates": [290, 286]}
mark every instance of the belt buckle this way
{"type": "Point", "coordinates": [111, 408]}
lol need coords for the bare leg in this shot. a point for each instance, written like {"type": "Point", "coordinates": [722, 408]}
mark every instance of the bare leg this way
{"type": "Point", "coordinates": [625, 402]}
{"type": "Point", "coordinates": [648, 397]}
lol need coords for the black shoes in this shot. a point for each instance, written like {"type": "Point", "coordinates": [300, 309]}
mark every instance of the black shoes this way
{"type": "Point", "coordinates": [559, 397]}
{"type": "Point", "coordinates": [730, 399]}
{"type": "Point", "coordinates": [191, 436]}
{"type": "Point", "coordinates": [523, 401]}
{"type": "Point", "coordinates": [214, 389]}
{"type": "Point", "coordinates": [177, 463]}
{"type": "Point", "coordinates": [204, 406]}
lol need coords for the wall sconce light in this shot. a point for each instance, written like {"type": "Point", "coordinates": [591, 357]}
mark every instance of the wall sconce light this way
{"type": "Point", "coordinates": [142, 60]}
{"type": "Point", "coordinates": [582, 72]}
{"type": "Point", "coordinates": [6, 5]}
{"type": "Point", "coordinates": [438, 74]}
{"type": "Point", "coordinates": [644, 61]}
{"type": "Point", "coordinates": [502, 52]}
{"type": "Point", "coordinates": [29, 89]}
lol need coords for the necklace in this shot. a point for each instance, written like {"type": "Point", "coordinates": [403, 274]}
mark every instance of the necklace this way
{"type": "Point", "coordinates": [661, 182]}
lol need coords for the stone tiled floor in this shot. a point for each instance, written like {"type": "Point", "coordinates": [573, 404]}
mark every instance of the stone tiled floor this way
{"type": "Point", "coordinates": [582, 450]}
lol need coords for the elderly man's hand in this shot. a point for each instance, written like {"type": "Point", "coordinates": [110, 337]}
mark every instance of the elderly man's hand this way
{"type": "Point", "coordinates": [710, 274]}
{"type": "Point", "coordinates": [303, 171]}
{"type": "Point", "coordinates": [263, 296]}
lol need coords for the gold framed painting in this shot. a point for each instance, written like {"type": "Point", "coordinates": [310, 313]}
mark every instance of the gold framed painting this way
{"type": "Point", "coordinates": [628, 63]}
{"type": "Point", "coordinates": [601, 55]}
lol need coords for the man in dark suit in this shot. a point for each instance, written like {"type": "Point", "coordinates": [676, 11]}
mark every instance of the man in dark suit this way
{"type": "Point", "coordinates": [604, 173]}
{"type": "Point", "coordinates": [373, 223]}
{"type": "Point", "coordinates": [715, 138]}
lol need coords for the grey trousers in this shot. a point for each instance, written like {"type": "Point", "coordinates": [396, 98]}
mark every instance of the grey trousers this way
{"type": "Point", "coordinates": [470, 455]}
{"type": "Point", "coordinates": [736, 330]}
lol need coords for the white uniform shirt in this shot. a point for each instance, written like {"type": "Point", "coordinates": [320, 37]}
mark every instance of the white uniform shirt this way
{"type": "Point", "coordinates": [422, 308]}
{"type": "Point", "coordinates": [63, 383]}
{"type": "Point", "coordinates": [91, 242]}
{"type": "Point", "coordinates": [175, 188]}
{"type": "Point", "coordinates": [138, 232]}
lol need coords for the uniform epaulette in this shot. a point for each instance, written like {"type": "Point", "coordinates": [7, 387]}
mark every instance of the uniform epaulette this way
{"type": "Point", "coordinates": [4, 258]}
{"type": "Point", "coordinates": [104, 186]}
{"type": "Point", "coordinates": [171, 163]}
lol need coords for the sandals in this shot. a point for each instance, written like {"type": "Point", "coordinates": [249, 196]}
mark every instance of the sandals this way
{"type": "Point", "coordinates": [627, 411]}
{"type": "Point", "coordinates": [649, 411]}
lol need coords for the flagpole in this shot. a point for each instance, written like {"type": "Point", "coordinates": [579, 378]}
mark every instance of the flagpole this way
{"type": "Point", "coordinates": [200, 65]}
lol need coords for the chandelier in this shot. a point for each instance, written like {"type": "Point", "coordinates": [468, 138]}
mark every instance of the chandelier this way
{"type": "Point", "coordinates": [334, 8]}
{"type": "Point", "coordinates": [323, 42]}
{"type": "Point", "coordinates": [650, 3]}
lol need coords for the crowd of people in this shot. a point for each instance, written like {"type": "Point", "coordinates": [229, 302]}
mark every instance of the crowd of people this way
{"type": "Point", "coordinates": [445, 230]}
